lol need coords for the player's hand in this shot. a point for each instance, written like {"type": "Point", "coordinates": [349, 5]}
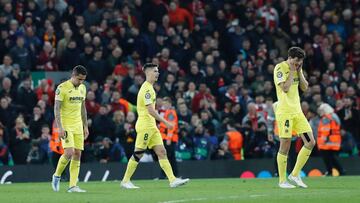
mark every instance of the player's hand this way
{"type": "Point", "coordinates": [299, 68]}
{"type": "Point", "coordinates": [292, 67]}
{"type": "Point", "coordinates": [169, 125]}
{"type": "Point", "coordinates": [168, 142]}
{"type": "Point", "coordinates": [62, 133]}
{"type": "Point", "coordinates": [86, 132]}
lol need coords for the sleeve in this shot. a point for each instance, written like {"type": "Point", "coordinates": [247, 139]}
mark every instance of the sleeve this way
{"type": "Point", "coordinates": [148, 97]}
{"type": "Point", "coordinates": [279, 75]}
{"type": "Point", "coordinates": [59, 93]}
{"type": "Point", "coordinates": [84, 92]}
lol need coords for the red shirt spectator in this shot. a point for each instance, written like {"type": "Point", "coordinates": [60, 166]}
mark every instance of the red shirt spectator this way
{"type": "Point", "coordinates": [46, 87]}
{"type": "Point", "coordinates": [180, 16]}
{"type": "Point", "coordinates": [203, 94]}
{"type": "Point", "coordinates": [92, 106]}
{"type": "Point", "coordinates": [47, 60]}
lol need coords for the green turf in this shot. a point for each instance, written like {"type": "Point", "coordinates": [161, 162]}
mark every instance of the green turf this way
{"type": "Point", "coordinates": [330, 189]}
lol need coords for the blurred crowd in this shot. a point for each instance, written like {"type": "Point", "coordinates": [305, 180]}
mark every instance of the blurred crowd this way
{"type": "Point", "coordinates": [216, 61]}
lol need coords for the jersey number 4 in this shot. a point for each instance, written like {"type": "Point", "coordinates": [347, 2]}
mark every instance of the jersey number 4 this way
{"type": "Point", "coordinates": [287, 124]}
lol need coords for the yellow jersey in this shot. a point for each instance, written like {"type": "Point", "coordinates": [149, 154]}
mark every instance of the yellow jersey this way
{"type": "Point", "coordinates": [71, 98]}
{"type": "Point", "coordinates": [288, 102]}
{"type": "Point", "coordinates": [146, 96]}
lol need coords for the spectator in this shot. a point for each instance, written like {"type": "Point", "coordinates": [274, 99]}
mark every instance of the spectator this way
{"type": "Point", "coordinates": [19, 141]}
{"type": "Point", "coordinates": [97, 68]}
{"type": "Point", "coordinates": [222, 153]}
{"type": "Point", "coordinates": [92, 106]}
{"type": "Point", "coordinates": [180, 16]}
{"type": "Point", "coordinates": [46, 111]}
{"type": "Point", "coordinates": [7, 112]}
{"type": "Point", "coordinates": [86, 55]}
{"type": "Point", "coordinates": [349, 117]}
{"type": "Point", "coordinates": [7, 89]}
{"type": "Point", "coordinates": [26, 96]}
{"type": "Point", "coordinates": [329, 138]}
{"type": "Point", "coordinates": [47, 60]}
{"type": "Point", "coordinates": [36, 123]}
{"type": "Point", "coordinates": [36, 155]}
{"type": "Point", "coordinates": [115, 104]}
{"type": "Point", "coordinates": [32, 41]}
{"type": "Point", "coordinates": [234, 140]}
{"type": "Point", "coordinates": [4, 149]}
{"type": "Point", "coordinates": [130, 133]}
{"type": "Point", "coordinates": [254, 124]}
{"type": "Point", "coordinates": [102, 125]}
{"type": "Point", "coordinates": [21, 55]}
{"type": "Point", "coordinates": [70, 56]}
{"type": "Point", "coordinates": [62, 44]}
{"type": "Point", "coordinates": [6, 67]}
{"type": "Point", "coordinates": [202, 96]}
{"type": "Point", "coordinates": [113, 59]}
{"type": "Point", "coordinates": [46, 88]}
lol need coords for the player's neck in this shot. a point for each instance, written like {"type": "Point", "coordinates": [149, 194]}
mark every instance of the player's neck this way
{"type": "Point", "coordinates": [151, 82]}
{"type": "Point", "coordinates": [72, 82]}
{"type": "Point", "coordinates": [288, 62]}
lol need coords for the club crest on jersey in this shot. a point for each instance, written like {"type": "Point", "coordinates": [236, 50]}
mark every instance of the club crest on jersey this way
{"type": "Point", "coordinates": [147, 96]}
{"type": "Point", "coordinates": [279, 74]}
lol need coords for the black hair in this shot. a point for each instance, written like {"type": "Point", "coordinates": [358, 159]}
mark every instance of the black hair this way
{"type": "Point", "coordinates": [79, 69]}
{"type": "Point", "coordinates": [149, 65]}
{"type": "Point", "coordinates": [296, 52]}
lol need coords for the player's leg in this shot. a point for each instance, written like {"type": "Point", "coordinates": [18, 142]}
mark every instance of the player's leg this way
{"type": "Point", "coordinates": [74, 168]}
{"type": "Point", "coordinates": [304, 154]}
{"type": "Point", "coordinates": [160, 152]}
{"type": "Point", "coordinates": [302, 158]}
{"type": "Point", "coordinates": [302, 126]}
{"type": "Point", "coordinates": [156, 143]}
{"type": "Point", "coordinates": [284, 123]}
{"type": "Point", "coordinates": [141, 143]}
{"type": "Point", "coordinates": [68, 145]}
{"type": "Point", "coordinates": [131, 167]}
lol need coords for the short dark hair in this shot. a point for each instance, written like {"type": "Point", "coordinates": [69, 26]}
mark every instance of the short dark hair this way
{"type": "Point", "coordinates": [79, 69]}
{"type": "Point", "coordinates": [149, 65]}
{"type": "Point", "coordinates": [296, 52]}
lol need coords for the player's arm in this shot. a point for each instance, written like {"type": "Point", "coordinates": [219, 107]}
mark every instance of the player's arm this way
{"type": "Point", "coordinates": [285, 86]}
{"type": "Point", "coordinates": [303, 83]}
{"type": "Point", "coordinates": [57, 107]}
{"type": "Point", "coordinates": [84, 119]}
{"type": "Point", "coordinates": [156, 115]}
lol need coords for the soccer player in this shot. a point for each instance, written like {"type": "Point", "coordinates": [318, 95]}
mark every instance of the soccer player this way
{"type": "Point", "coordinates": [148, 135]}
{"type": "Point", "coordinates": [288, 76]}
{"type": "Point", "coordinates": [71, 119]}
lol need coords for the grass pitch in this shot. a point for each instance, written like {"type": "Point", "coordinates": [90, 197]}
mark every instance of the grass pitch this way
{"type": "Point", "coordinates": [321, 189]}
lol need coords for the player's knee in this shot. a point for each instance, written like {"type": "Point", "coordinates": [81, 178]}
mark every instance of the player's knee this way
{"type": "Point", "coordinates": [69, 153]}
{"type": "Point", "coordinates": [310, 142]}
{"type": "Point", "coordinates": [161, 153]}
{"type": "Point", "coordinates": [137, 155]}
{"type": "Point", "coordinates": [76, 155]}
{"type": "Point", "coordinates": [284, 146]}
